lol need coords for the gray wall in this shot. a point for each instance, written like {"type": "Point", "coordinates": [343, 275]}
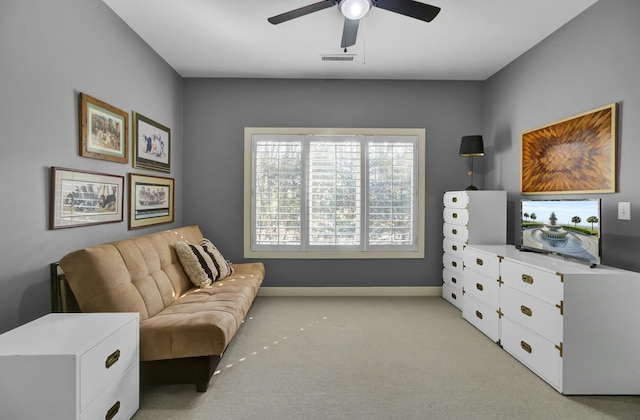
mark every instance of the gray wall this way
{"type": "Point", "coordinates": [216, 112]}
{"type": "Point", "coordinates": [50, 51]}
{"type": "Point", "coordinates": [590, 62]}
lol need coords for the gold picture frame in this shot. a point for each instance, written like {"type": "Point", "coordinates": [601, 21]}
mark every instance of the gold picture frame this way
{"type": "Point", "coordinates": [151, 144]}
{"type": "Point", "coordinates": [104, 130]}
{"type": "Point", "coordinates": [571, 156]}
{"type": "Point", "coordinates": [151, 200]}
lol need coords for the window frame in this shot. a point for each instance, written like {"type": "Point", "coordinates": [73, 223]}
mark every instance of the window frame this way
{"type": "Point", "coordinates": [318, 252]}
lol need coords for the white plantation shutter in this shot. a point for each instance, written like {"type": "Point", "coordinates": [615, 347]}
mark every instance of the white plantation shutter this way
{"type": "Point", "coordinates": [334, 192]}
{"type": "Point", "coordinates": [337, 193]}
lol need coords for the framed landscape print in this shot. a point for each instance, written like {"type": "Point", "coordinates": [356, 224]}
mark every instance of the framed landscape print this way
{"type": "Point", "coordinates": [82, 198]}
{"type": "Point", "coordinates": [150, 200]}
{"type": "Point", "coordinates": [151, 144]}
{"type": "Point", "coordinates": [104, 130]}
{"type": "Point", "coordinates": [574, 155]}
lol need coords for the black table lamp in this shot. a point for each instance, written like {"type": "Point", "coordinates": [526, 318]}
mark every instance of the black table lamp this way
{"type": "Point", "coordinates": [469, 147]}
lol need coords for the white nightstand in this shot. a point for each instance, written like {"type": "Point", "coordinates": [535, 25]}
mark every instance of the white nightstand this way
{"type": "Point", "coordinates": [71, 366]}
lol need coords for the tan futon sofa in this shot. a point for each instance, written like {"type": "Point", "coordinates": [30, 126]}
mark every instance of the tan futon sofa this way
{"type": "Point", "coordinates": [184, 330]}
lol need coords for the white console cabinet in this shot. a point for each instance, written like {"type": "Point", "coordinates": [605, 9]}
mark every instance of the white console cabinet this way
{"type": "Point", "coordinates": [470, 217]}
{"type": "Point", "coordinates": [574, 326]}
{"type": "Point", "coordinates": [71, 366]}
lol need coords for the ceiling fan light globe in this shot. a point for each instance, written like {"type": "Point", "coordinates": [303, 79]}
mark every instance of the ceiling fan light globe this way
{"type": "Point", "coordinates": [355, 9]}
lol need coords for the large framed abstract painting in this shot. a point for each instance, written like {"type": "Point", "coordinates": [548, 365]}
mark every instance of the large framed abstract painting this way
{"type": "Point", "coordinates": [574, 155]}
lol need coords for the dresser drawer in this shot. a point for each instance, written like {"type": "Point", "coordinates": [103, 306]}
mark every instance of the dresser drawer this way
{"type": "Point", "coordinates": [539, 316]}
{"type": "Point", "coordinates": [541, 284]}
{"type": "Point", "coordinates": [452, 263]}
{"type": "Point", "coordinates": [482, 317]}
{"type": "Point", "coordinates": [455, 232]}
{"type": "Point", "coordinates": [105, 362]}
{"type": "Point", "coordinates": [538, 354]}
{"type": "Point", "coordinates": [452, 278]}
{"type": "Point", "coordinates": [482, 288]}
{"type": "Point", "coordinates": [119, 401]}
{"type": "Point", "coordinates": [483, 263]}
{"type": "Point", "coordinates": [455, 216]}
{"type": "Point", "coordinates": [459, 199]}
{"type": "Point", "coordinates": [452, 294]}
{"type": "Point", "coordinates": [452, 247]}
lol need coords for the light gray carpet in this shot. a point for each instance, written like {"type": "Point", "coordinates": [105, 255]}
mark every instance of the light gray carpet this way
{"type": "Point", "coordinates": [370, 358]}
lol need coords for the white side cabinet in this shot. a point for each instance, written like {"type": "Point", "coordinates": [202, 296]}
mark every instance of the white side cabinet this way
{"type": "Point", "coordinates": [572, 325]}
{"type": "Point", "coordinates": [470, 217]}
{"type": "Point", "coordinates": [71, 366]}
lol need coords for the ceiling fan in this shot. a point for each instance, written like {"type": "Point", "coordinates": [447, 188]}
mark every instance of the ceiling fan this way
{"type": "Point", "coordinates": [354, 10]}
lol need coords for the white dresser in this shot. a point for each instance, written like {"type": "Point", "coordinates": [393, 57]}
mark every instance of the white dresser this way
{"type": "Point", "coordinates": [576, 327]}
{"type": "Point", "coordinates": [470, 217]}
{"type": "Point", "coordinates": [71, 366]}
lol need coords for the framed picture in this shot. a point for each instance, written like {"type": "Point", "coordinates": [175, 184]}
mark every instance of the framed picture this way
{"type": "Point", "coordinates": [574, 155]}
{"type": "Point", "coordinates": [150, 200]}
{"type": "Point", "coordinates": [104, 130]}
{"type": "Point", "coordinates": [152, 144]}
{"type": "Point", "coordinates": [81, 198]}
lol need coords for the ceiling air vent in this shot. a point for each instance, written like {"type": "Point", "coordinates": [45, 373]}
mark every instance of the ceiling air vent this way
{"type": "Point", "coordinates": [338, 57]}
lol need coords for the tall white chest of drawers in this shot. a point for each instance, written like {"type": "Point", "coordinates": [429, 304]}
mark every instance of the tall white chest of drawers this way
{"type": "Point", "coordinates": [574, 326]}
{"type": "Point", "coordinates": [470, 217]}
{"type": "Point", "coordinates": [71, 366]}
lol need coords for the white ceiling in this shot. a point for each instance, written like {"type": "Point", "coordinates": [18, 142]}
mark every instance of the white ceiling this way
{"type": "Point", "coordinates": [468, 40]}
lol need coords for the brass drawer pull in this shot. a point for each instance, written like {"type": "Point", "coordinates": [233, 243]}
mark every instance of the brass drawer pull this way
{"type": "Point", "coordinates": [526, 311]}
{"type": "Point", "coordinates": [453, 263]}
{"type": "Point", "coordinates": [455, 215]}
{"type": "Point", "coordinates": [113, 411]}
{"type": "Point", "coordinates": [454, 280]}
{"type": "Point", "coordinates": [454, 247]}
{"type": "Point", "coordinates": [526, 347]}
{"type": "Point", "coordinates": [454, 231]}
{"type": "Point", "coordinates": [527, 279]}
{"type": "Point", "coordinates": [112, 359]}
{"type": "Point", "coordinates": [479, 314]}
{"type": "Point", "coordinates": [453, 295]}
{"type": "Point", "coordinates": [479, 261]}
{"type": "Point", "coordinates": [479, 287]}
{"type": "Point", "coordinates": [454, 199]}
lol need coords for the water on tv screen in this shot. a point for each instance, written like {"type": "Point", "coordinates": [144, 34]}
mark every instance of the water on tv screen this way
{"type": "Point", "coordinates": [570, 228]}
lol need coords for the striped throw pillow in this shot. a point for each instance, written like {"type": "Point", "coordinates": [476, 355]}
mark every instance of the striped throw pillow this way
{"type": "Point", "coordinates": [197, 263]}
{"type": "Point", "coordinates": [224, 267]}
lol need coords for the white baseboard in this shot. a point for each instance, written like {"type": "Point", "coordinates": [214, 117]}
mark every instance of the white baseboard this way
{"type": "Point", "coordinates": [351, 291]}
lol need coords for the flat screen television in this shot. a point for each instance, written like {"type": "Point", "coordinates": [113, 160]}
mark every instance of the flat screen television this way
{"type": "Point", "coordinates": [569, 228]}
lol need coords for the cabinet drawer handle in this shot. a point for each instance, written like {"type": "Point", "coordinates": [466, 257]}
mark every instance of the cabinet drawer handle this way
{"type": "Point", "coordinates": [479, 287]}
{"type": "Point", "coordinates": [455, 215]}
{"type": "Point", "coordinates": [112, 359]}
{"type": "Point", "coordinates": [454, 247]}
{"type": "Point", "coordinates": [526, 311]}
{"type": "Point", "coordinates": [527, 279]}
{"type": "Point", "coordinates": [113, 411]}
{"type": "Point", "coordinates": [454, 280]}
{"type": "Point", "coordinates": [453, 263]}
{"type": "Point", "coordinates": [479, 261]}
{"type": "Point", "coordinates": [453, 295]}
{"type": "Point", "coordinates": [526, 346]}
{"type": "Point", "coordinates": [454, 231]}
{"type": "Point", "coordinates": [454, 199]}
{"type": "Point", "coordinates": [479, 314]}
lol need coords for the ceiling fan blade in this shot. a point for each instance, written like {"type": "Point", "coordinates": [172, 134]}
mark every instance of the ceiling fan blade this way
{"type": "Point", "coordinates": [409, 8]}
{"type": "Point", "coordinates": [315, 7]}
{"type": "Point", "coordinates": [349, 32]}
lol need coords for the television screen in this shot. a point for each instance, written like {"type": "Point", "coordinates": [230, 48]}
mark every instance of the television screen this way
{"type": "Point", "coordinates": [570, 228]}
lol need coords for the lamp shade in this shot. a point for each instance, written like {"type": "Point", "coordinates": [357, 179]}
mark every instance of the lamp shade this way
{"type": "Point", "coordinates": [471, 146]}
{"type": "Point", "coordinates": [354, 9]}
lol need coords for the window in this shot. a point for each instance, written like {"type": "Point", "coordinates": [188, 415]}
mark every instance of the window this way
{"type": "Point", "coordinates": [334, 193]}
